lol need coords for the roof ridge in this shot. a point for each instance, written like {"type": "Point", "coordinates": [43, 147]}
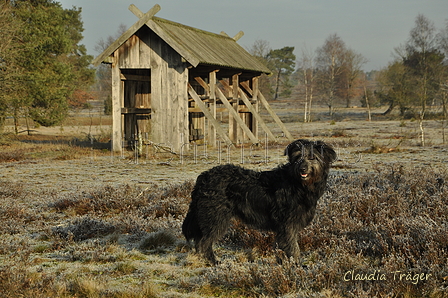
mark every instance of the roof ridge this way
{"type": "Point", "coordinates": [158, 19]}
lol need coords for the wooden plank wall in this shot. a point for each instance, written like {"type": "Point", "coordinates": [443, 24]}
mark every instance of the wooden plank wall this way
{"type": "Point", "coordinates": [168, 94]}
{"type": "Point", "coordinates": [169, 99]}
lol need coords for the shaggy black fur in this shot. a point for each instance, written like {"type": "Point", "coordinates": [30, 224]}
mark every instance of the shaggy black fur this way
{"type": "Point", "coordinates": [282, 200]}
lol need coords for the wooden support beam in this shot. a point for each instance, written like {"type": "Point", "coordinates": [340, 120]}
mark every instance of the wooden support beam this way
{"type": "Point", "coordinates": [203, 84]}
{"type": "Point", "coordinates": [256, 104]}
{"type": "Point", "coordinates": [212, 85]}
{"type": "Point", "coordinates": [257, 116]}
{"type": "Point", "coordinates": [135, 111]}
{"type": "Point", "coordinates": [139, 78]}
{"type": "Point", "coordinates": [209, 115]}
{"type": "Point", "coordinates": [265, 103]}
{"type": "Point", "coordinates": [238, 35]}
{"type": "Point", "coordinates": [235, 115]}
{"type": "Point", "coordinates": [134, 9]}
{"type": "Point", "coordinates": [233, 124]}
{"type": "Point", "coordinates": [117, 132]}
{"type": "Point", "coordinates": [246, 86]}
{"type": "Point", "coordinates": [275, 117]}
{"type": "Point", "coordinates": [162, 34]}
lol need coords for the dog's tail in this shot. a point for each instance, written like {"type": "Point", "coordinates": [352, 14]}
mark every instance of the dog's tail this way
{"type": "Point", "coordinates": [190, 227]}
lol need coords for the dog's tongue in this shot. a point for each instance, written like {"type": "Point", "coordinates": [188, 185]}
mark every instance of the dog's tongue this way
{"type": "Point", "coordinates": [304, 175]}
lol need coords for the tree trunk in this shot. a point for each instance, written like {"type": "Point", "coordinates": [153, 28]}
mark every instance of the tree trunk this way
{"type": "Point", "coordinates": [16, 121]}
{"type": "Point", "coordinates": [422, 131]}
{"type": "Point", "coordinates": [367, 103]}
{"type": "Point", "coordinates": [277, 84]}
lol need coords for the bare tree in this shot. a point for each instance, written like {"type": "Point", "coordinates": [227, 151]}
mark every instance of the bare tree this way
{"type": "Point", "coordinates": [103, 72]}
{"type": "Point", "coordinates": [330, 60]}
{"type": "Point", "coordinates": [306, 66]}
{"type": "Point", "coordinates": [442, 40]}
{"type": "Point", "coordinates": [353, 63]}
{"type": "Point", "coordinates": [102, 43]}
{"type": "Point", "coordinates": [260, 50]}
{"type": "Point", "coordinates": [424, 64]}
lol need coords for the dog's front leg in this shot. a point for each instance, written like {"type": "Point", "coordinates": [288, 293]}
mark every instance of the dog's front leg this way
{"type": "Point", "coordinates": [287, 241]}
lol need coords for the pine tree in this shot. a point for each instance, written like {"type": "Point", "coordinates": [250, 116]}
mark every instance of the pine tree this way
{"type": "Point", "coordinates": [51, 63]}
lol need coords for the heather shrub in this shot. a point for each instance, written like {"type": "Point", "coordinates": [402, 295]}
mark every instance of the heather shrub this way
{"type": "Point", "coordinates": [85, 228]}
{"type": "Point", "coordinates": [388, 224]}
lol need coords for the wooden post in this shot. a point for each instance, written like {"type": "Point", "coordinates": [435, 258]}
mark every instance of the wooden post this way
{"type": "Point", "coordinates": [275, 117]}
{"type": "Point", "coordinates": [256, 105]}
{"type": "Point", "coordinates": [212, 129]}
{"type": "Point", "coordinates": [235, 115]}
{"type": "Point", "coordinates": [116, 106]}
{"type": "Point", "coordinates": [233, 125]}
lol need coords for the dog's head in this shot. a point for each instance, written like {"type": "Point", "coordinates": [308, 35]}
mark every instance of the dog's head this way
{"type": "Point", "coordinates": [310, 159]}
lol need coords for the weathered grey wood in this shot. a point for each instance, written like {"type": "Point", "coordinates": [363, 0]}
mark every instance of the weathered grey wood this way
{"type": "Point", "coordinates": [274, 116]}
{"type": "Point", "coordinates": [134, 9]}
{"type": "Point", "coordinates": [209, 115]}
{"type": "Point", "coordinates": [135, 111]}
{"type": "Point", "coordinates": [151, 24]}
{"type": "Point", "coordinates": [256, 115]}
{"type": "Point", "coordinates": [116, 106]}
{"type": "Point", "coordinates": [238, 35]}
{"type": "Point", "coordinates": [169, 96]}
{"type": "Point", "coordinates": [234, 132]}
{"type": "Point", "coordinates": [265, 103]}
{"type": "Point", "coordinates": [135, 77]}
{"type": "Point", "coordinates": [203, 84]}
{"type": "Point", "coordinates": [235, 115]}
{"type": "Point", "coordinates": [125, 36]}
{"type": "Point", "coordinates": [185, 54]}
{"type": "Point", "coordinates": [212, 81]}
{"type": "Point", "coordinates": [256, 104]}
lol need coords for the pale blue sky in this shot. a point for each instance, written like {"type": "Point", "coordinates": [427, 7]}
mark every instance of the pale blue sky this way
{"type": "Point", "coordinates": [370, 27]}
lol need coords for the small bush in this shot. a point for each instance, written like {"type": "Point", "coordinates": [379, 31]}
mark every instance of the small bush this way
{"type": "Point", "coordinates": [85, 228]}
{"type": "Point", "coordinates": [158, 239]}
{"type": "Point", "coordinates": [10, 156]}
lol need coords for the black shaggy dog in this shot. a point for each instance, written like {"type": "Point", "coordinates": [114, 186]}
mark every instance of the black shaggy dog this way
{"type": "Point", "coordinates": [282, 200]}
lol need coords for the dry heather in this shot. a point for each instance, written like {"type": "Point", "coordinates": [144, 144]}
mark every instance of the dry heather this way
{"type": "Point", "coordinates": [388, 226]}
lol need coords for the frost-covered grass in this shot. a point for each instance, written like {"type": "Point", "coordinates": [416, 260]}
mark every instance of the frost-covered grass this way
{"type": "Point", "coordinates": [388, 226]}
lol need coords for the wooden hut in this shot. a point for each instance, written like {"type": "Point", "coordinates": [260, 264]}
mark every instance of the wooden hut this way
{"type": "Point", "coordinates": [169, 81]}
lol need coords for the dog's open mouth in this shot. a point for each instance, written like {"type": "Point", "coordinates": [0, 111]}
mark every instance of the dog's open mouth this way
{"type": "Point", "coordinates": [304, 175]}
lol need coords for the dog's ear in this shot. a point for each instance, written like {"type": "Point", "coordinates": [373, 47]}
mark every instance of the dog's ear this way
{"type": "Point", "coordinates": [294, 147]}
{"type": "Point", "coordinates": [328, 152]}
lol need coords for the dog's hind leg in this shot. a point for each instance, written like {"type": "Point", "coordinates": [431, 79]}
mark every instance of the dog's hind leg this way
{"type": "Point", "coordinates": [213, 228]}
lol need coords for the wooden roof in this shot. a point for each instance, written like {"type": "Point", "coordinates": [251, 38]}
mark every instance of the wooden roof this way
{"type": "Point", "coordinates": [198, 47]}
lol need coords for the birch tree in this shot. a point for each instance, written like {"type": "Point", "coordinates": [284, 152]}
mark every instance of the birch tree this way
{"type": "Point", "coordinates": [307, 77]}
{"type": "Point", "coordinates": [424, 63]}
{"type": "Point", "coordinates": [329, 63]}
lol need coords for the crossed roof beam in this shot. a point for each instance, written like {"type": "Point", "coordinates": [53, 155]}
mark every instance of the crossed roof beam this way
{"type": "Point", "coordinates": [145, 19]}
